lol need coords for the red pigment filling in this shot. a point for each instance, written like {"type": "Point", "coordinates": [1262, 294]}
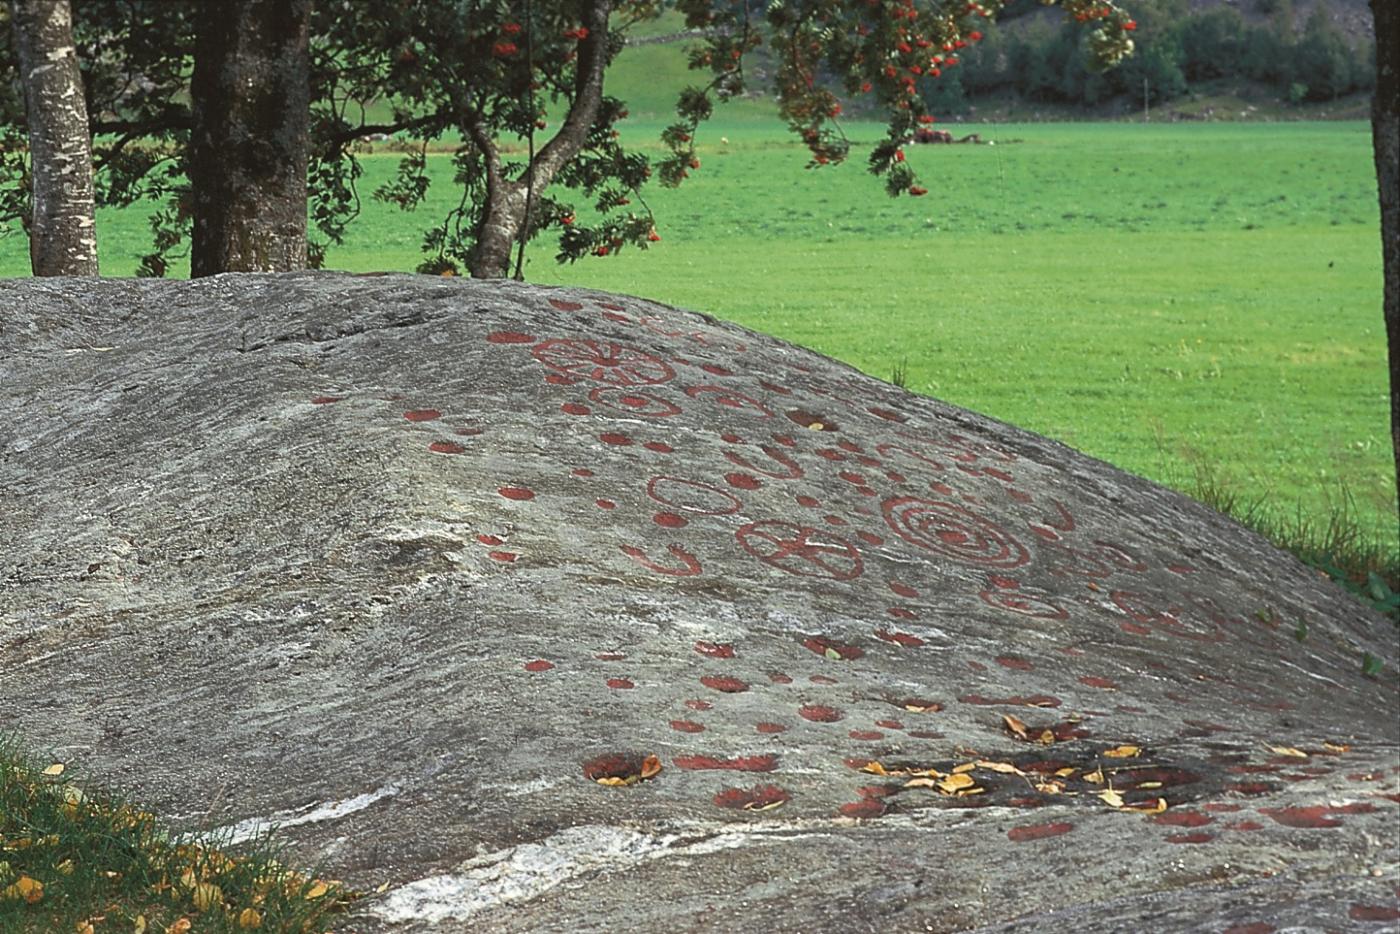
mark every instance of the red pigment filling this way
{"type": "Point", "coordinates": [583, 472]}
{"type": "Point", "coordinates": [864, 808]}
{"type": "Point", "coordinates": [325, 400]}
{"type": "Point", "coordinates": [889, 724]}
{"type": "Point", "coordinates": [1094, 681]}
{"type": "Point", "coordinates": [669, 520]}
{"type": "Point", "coordinates": [827, 647]}
{"type": "Point", "coordinates": [831, 454]}
{"type": "Point", "coordinates": [446, 447]}
{"type": "Point", "coordinates": [1038, 831]}
{"type": "Point", "coordinates": [558, 379]}
{"type": "Point", "coordinates": [517, 492]}
{"type": "Point", "coordinates": [725, 684]}
{"type": "Point", "coordinates": [506, 557]}
{"type": "Point", "coordinates": [489, 540]}
{"type": "Point", "coordinates": [977, 666]}
{"type": "Point", "coordinates": [468, 432]}
{"type": "Point", "coordinates": [614, 316]}
{"type": "Point", "coordinates": [767, 727]}
{"type": "Point", "coordinates": [821, 679]}
{"type": "Point", "coordinates": [1251, 927]}
{"type": "Point", "coordinates": [742, 481]}
{"type": "Point", "coordinates": [904, 590]}
{"type": "Point", "coordinates": [538, 664]}
{"type": "Point", "coordinates": [925, 734]}
{"type": "Point", "coordinates": [660, 447]}
{"type": "Point", "coordinates": [1358, 912]}
{"type": "Point", "coordinates": [866, 735]}
{"type": "Point", "coordinates": [1011, 661]}
{"type": "Point", "coordinates": [510, 337]}
{"type": "Point", "coordinates": [715, 649]}
{"type": "Point", "coordinates": [730, 438]}
{"type": "Point", "coordinates": [777, 677]}
{"type": "Point", "coordinates": [1244, 825]}
{"type": "Point", "coordinates": [1019, 496]}
{"type": "Point", "coordinates": [716, 369]}
{"type": "Point", "coordinates": [819, 713]}
{"type": "Point", "coordinates": [808, 501]}
{"type": "Point", "coordinates": [869, 538]}
{"type": "Point", "coordinates": [850, 476]}
{"type": "Point", "coordinates": [785, 440]}
{"type": "Point", "coordinates": [899, 638]}
{"type": "Point", "coordinates": [774, 387]}
{"type": "Point", "coordinates": [610, 656]}
{"type": "Point", "coordinates": [620, 684]}
{"type": "Point", "coordinates": [887, 415]}
{"type": "Point", "coordinates": [699, 704]}
{"type": "Point", "coordinates": [1250, 788]}
{"type": "Point", "coordinates": [565, 306]}
{"type": "Point", "coordinates": [765, 763]}
{"type": "Point", "coordinates": [901, 612]}
{"type": "Point", "coordinates": [687, 726]}
{"type": "Point", "coordinates": [1184, 817]}
{"type": "Point", "coordinates": [422, 415]}
{"type": "Point", "coordinates": [1304, 817]}
{"type": "Point", "coordinates": [611, 307]}
{"type": "Point", "coordinates": [834, 520]}
{"type": "Point", "coordinates": [605, 504]}
{"type": "Point", "coordinates": [611, 437]}
{"type": "Point", "coordinates": [574, 408]}
{"type": "Point", "coordinates": [1198, 837]}
{"type": "Point", "coordinates": [759, 796]}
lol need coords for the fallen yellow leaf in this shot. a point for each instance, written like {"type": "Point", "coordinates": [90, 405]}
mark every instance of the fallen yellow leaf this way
{"type": "Point", "coordinates": [875, 768]}
{"type": "Point", "coordinates": [1006, 768]}
{"type": "Point", "coordinates": [1065, 772]}
{"type": "Point", "coordinates": [207, 895]}
{"type": "Point", "coordinates": [84, 927]}
{"type": "Point", "coordinates": [1046, 738]}
{"type": "Point", "coordinates": [956, 784]}
{"type": "Point", "coordinates": [651, 766]}
{"type": "Point", "coordinates": [1336, 747]}
{"type": "Point", "coordinates": [54, 771]}
{"type": "Point", "coordinates": [25, 887]}
{"type": "Point", "coordinates": [923, 781]}
{"type": "Point", "coordinates": [1123, 752]}
{"type": "Point", "coordinates": [320, 888]}
{"type": "Point", "coordinates": [1015, 725]}
{"type": "Point", "coordinates": [1110, 797]}
{"type": "Point", "coordinates": [1156, 806]}
{"type": "Point", "coordinates": [1049, 788]}
{"type": "Point", "coordinates": [1150, 785]}
{"type": "Point", "coordinates": [965, 767]}
{"type": "Point", "coordinates": [139, 925]}
{"type": "Point", "coordinates": [179, 927]}
{"type": "Point", "coordinates": [249, 918]}
{"type": "Point", "coordinates": [1095, 777]}
{"type": "Point", "coordinates": [1288, 751]}
{"type": "Point", "coordinates": [816, 426]}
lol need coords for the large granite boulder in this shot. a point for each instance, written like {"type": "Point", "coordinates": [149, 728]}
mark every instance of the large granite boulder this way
{"type": "Point", "coordinates": [436, 574]}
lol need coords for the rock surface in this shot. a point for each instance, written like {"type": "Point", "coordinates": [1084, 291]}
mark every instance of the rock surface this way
{"type": "Point", "coordinates": [403, 565]}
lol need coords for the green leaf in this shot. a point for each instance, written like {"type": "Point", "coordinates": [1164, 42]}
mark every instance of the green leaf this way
{"type": "Point", "coordinates": [1371, 665]}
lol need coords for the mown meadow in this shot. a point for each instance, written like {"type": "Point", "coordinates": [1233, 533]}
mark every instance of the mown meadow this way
{"type": "Point", "coordinates": [1195, 303]}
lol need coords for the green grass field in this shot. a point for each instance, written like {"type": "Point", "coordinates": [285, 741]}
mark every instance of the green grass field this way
{"type": "Point", "coordinates": [1170, 298]}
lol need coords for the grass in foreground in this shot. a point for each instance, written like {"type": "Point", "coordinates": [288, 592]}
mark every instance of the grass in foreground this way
{"type": "Point", "coordinates": [71, 861]}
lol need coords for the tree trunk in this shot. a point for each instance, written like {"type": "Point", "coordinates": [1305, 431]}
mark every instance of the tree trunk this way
{"type": "Point", "coordinates": [62, 236]}
{"type": "Point", "coordinates": [1385, 136]}
{"type": "Point", "coordinates": [504, 218]}
{"type": "Point", "coordinates": [247, 160]}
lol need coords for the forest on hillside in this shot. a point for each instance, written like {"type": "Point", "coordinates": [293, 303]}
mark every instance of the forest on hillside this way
{"type": "Point", "coordinates": [1293, 54]}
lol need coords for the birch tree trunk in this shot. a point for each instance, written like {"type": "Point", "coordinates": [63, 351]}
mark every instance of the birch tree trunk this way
{"type": "Point", "coordinates": [62, 236]}
{"type": "Point", "coordinates": [248, 151]}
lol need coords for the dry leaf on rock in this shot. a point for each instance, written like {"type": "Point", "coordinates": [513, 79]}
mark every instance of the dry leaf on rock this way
{"type": "Point", "coordinates": [1006, 768]}
{"type": "Point", "coordinates": [1288, 751]}
{"type": "Point", "coordinates": [1110, 797]}
{"type": "Point", "coordinates": [1123, 752]}
{"type": "Point", "coordinates": [1015, 725]}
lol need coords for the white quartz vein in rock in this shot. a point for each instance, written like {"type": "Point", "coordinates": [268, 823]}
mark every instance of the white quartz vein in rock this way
{"type": "Point", "coordinates": [525, 872]}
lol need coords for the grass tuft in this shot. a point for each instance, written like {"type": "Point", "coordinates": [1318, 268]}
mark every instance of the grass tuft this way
{"type": "Point", "coordinates": [1335, 542]}
{"type": "Point", "coordinates": [86, 862]}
